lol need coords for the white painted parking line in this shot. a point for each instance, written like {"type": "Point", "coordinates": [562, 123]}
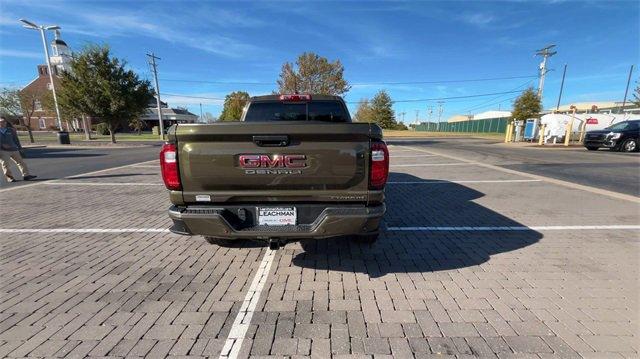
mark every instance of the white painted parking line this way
{"type": "Point", "coordinates": [512, 228]}
{"type": "Point", "coordinates": [147, 166]}
{"type": "Point", "coordinates": [238, 331]}
{"type": "Point", "coordinates": [83, 230]}
{"type": "Point", "coordinates": [595, 190]}
{"type": "Point", "coordinates": [103, 184]}
{"type": "Point", "coordinates": [469, 181]}
{"type": "Point", "coordinates": [410, 156]}
{"type": "Point", "coordinates": [431, 164]}
{"type": "Point", "coordinates": [74, 176]}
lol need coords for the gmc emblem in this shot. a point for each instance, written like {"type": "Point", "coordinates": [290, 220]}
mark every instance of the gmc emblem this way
{"type": "Point", "coordinates": [272, 161]}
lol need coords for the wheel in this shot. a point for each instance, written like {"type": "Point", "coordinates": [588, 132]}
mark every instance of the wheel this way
{"type": "Point", "coordinates": [592, 148]}
{"type": "Point", "coordinates": [630, 145]}
{"type": "Point", "coordinates": [366, 238]}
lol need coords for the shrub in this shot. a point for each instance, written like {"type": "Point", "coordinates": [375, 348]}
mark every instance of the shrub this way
{"type": "Point", "coordinates": [400, 126]}
{"type": "Point", "coordinates": [102, 129]}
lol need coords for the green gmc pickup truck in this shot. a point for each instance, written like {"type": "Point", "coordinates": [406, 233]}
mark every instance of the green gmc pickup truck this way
{"type": "Point", "coordinates": [294, 167]}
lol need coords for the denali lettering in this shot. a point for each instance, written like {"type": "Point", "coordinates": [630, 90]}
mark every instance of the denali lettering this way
{"type": "Point", "coordinates": [272, 172]}
{"type": "Point", "coordinates": [272, 161]}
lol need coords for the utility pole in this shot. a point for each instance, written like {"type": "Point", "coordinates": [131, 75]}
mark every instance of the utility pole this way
{"type": "Point", "coordinates": [564, 72]}
{"type": "Point", "coordinates": [545, 53]}
{"type": "Point", "coordinates": [416, 123]}
{"type": "Point", "coordinates": [440, 109]}
{"type": "Point", "coordinates": [626, 91]}
{"type": "Point", "coordinates": [152, 59]}
{"type": "Point", "coordinates": [201, 112]}
{"type": "Point", "coordinates": [402, 113]}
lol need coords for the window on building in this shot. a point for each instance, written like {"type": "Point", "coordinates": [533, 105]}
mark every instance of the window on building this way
{"type": "Point", "coordinates": [42, 123]}
{"type": "Point", "coordinates": [37, 105]}
{"type": "Point", "coordinates": [48, 85]}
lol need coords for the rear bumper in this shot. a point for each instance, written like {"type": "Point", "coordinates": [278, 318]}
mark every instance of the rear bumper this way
{"type": "Point", "coordinates": [332, 221]}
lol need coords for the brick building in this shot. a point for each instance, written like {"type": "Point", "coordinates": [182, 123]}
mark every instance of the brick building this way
{"type": "Point", "coordinates": [40, 88]}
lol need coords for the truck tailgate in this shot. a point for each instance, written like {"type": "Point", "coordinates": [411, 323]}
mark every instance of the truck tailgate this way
{"type": "Point", "coordinates": [274, 161]}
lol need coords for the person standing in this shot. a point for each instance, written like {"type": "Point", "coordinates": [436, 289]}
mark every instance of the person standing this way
{"type": "Point", "coordinates": [10, 150]}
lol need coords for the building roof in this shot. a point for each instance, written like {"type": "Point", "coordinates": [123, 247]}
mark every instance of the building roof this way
{"type": "Point", "coordinates": [459, 118]}
{"type": "Point", "coordinates": [172, 111]}
{"type": "Point", "coordinates": [492, 114]}
{"type": "Point", "coordinates": [170, 114]}
{"type": "Point", "coordinates": [154, 103]}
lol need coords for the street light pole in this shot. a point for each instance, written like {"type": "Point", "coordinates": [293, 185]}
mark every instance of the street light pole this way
{"type": "Point", "coordinates": [32, 26]}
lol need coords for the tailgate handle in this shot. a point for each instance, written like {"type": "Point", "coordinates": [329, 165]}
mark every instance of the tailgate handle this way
{"type": "Point", "coordinates": [271, 141]}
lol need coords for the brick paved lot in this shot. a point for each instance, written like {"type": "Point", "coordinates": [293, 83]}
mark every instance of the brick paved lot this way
{"type": "Point", "coordinates": [539, 292]}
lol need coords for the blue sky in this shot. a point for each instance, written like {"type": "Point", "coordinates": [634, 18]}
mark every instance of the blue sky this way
{"type": "Point", "coordinates": [378, 42]}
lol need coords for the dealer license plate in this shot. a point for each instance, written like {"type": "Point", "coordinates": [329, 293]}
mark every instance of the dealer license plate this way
{"type": "Point", "coordinates": [277, 216]}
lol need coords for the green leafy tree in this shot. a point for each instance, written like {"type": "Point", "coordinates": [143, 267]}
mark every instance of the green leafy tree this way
{"type": "Point", "coordinates": [98, 85]}
{"type": "Point", "coordinates": [10, 106]}
{"type": "Point", "coordinates": [636, 95]}
{"type": "Point", "coordinates": [10, 102]}
{"type": "Point", "coordinates": [527, 105]}
{"type": "Point", "coordinates": [382, 110]}
{"type": "Point", "coordinates": [313, 74]}
{"type": "Point", "coordinates": [364, 113]}
{"type": "Point", "coordinates": [22, 104]}
{"type": "Point", "coordinates": [233, 105]}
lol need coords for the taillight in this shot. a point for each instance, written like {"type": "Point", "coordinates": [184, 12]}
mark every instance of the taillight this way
{"type": "Point", "coordinates": [379, 169]}
{"type": "Point", "coordinates": [295, 98]}
{"type": "Point", "coordinates": [169, 166]}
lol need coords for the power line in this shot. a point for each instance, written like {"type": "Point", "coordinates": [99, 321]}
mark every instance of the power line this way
{"type": "Point", "coordinates": [491, 104]}
{"type": "Point", "coordinates": [198, 97]}
{"type": "Point", "coordinates": [257, 83]}
{"type": "Point", "coordinates": [490, 101]}
{"type": "Point", "coordinates": [445, 98]}
{"type": "Point", "coordinates": [445, 81]}
{"type": "Point", "coordinates": [357, 102]}
{"type": "Point", "coordinates": [220, 82]}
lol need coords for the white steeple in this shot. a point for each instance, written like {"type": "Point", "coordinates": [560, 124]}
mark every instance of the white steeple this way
{"type": "Point", "coordinates": [61, 54]}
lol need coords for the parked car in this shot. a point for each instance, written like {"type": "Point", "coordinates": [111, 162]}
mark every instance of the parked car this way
{"type": "Point", "coordinates": [622, 136]}
{"type": "Point", "coordinates": [293, 167]}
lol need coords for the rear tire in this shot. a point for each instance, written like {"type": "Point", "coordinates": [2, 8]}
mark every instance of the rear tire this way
{"type": "Point", "coordinates": [630, 145]}
{"type": "Point", "coordinates": [366, 238]}
{"type": "Point", "coordinates": [592, 148]}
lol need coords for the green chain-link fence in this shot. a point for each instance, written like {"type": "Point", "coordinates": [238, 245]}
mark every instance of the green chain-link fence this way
{"type": "Point", "coordinates": [489, 125]}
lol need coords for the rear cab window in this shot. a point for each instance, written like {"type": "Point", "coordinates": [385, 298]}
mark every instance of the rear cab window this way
{"type": "Point", "coordinates": [319, 110]}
